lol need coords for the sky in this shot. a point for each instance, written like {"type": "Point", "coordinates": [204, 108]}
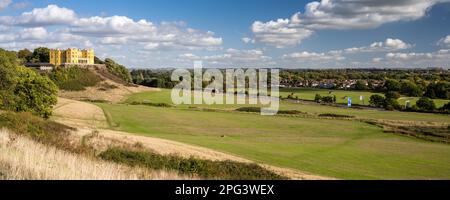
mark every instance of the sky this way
{"type": "Point", "coordinates": [237, 33]}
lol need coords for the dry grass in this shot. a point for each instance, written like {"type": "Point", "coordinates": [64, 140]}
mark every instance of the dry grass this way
{"type": "Point", "coordinates": [116, 92]}
{"type": "Point", "coordinates": [23, 159]}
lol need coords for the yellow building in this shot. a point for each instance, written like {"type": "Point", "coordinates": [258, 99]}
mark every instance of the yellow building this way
{"type": "Point", "coordinates": [71, 56]}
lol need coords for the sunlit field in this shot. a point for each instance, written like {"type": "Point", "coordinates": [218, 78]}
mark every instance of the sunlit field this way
{"type": "Point", "coordinates": [338, 148]}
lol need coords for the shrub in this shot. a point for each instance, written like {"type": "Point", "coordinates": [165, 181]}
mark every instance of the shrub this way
{"type": "Point", "coordinates": [74, 78]}
{"type": "Point", "coordinates": [151, 104]}
{"type": "Point", "coordinates": [335, 115]}
{"type": "Point", "coordinates": [118, 70]}
{"type": "Point", "coordinates": [426, 104]}
{"type": "Point", "coordinates": [249, 109]}
{"type": "Point", "coordinates": [290, 112]}
{"type": "Point", "coordinates": [327, 99]}
{"type": "Point", "coordinates": [446, 108]}
{"type": "Point", "coordinates": [391, 104]}
{"type": "Point", "coordinates": [203, 168]}
{"type": "Point", "coordinates": [40, 130]}
{"type": "Point", "coordinates": [317, 98]}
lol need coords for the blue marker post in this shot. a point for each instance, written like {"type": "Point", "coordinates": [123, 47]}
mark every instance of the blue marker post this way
{"type": "Point", "coordinates": [349, 102]}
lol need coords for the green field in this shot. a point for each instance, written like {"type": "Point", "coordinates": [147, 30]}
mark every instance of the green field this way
{"type": "Point", "coordinates": [309, 94]}
{"type": "Point", "coordinates": [164, 97]}
{"type": "Point", "coordinates": [439, 102]}
{"type": "Point", "coordinates": [328, 147]}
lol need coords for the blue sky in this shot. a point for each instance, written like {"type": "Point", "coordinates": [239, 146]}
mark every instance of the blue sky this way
{"type": "Point", "coordinates": [232, 33]}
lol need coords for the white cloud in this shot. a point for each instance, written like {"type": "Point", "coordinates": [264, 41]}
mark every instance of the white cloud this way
{"type": "Point", "coordinates": [113, 40]}
{"type": "Point", "coordinates": [445, 42]}
{"type": "Point", "coordinates": [108, 34]}
{"type": "Point", "coordinates": [280, 33]}
{"type": "Point", "coordinates": [338, 14]}
{"type": "Point", "coordinates": [50, 15]}
{"type": "Point", "coordinates": [438, 55]}
{"type": "Point", "coordinates": [4, 4]}
{"type": "Point", "coordinates": [233, 58]}
{"type": "Point", "coordinates": [7, 37]}
{"type": "Point", "coordinates": [247, 40]}
{"type": "Point", "coordinates": [117, 30]}
{"type": "Point", "coordinates": [388, 45]}
{"type": "Point", "coordinates": [440, 58]}
{"type": "Point", "coordinates": [312, 56]}
{"type": "Point", "coordinates": [114, 25]}
{"type": "Point", "coordinates": [37, 33]}
{"type": "Point", "coordinates": [344, 14]}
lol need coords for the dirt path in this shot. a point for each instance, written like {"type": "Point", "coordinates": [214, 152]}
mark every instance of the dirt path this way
{"type": "Point", "coordinates": [88, 119]}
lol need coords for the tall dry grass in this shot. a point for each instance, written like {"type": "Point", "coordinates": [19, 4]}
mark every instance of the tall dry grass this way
{"type": "Point", "coordinates": [22, 159]}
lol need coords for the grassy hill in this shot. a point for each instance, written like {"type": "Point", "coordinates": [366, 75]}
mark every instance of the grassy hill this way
{"type": "Point", "coordinates": [74, 78]}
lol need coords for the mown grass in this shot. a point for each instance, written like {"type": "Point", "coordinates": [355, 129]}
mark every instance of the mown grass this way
{"type": "Point", "coordinates": [191, 166]}
{"type": "Point", "coordinates": [164, 96]}
{"type": "Point", "coordinates": [330, 147]}
{"type": "Point", "coordinates": [309, 94]}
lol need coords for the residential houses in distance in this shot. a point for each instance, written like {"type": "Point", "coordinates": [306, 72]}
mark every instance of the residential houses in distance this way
{"type": "Point", "coordinates": [331, 84]}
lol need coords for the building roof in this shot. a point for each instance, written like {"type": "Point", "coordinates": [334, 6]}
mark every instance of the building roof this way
{"type": "Point", "coordinates": [38, 64]}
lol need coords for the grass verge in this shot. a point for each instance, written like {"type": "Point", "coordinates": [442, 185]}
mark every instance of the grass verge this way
{"type": "Point", "coordinates": [192, 166]}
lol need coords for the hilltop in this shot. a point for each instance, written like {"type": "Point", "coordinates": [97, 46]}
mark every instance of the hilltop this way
{"type": "Point", "coordinates": [106, 88]}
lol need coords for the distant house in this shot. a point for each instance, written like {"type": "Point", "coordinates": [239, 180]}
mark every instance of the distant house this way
{"type": "Point", "coordinates": [40, 66]}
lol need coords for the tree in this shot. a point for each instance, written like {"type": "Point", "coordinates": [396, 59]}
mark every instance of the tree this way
{"type": "Point", "coordinates": [392, 95]}
{"type": "Point", "coordinates": [411, 89]}
{"type": "Point", "coordinates": [392, 85]}
{"type": "Point", "coordinates": [34, 93]}
{"type": "Point", "coordinates": [118, 70]}
{"type": "Point", "coordinates": [23, 89]}
{"type": "Point", "coordinates": [377, 100]}
{"type": "Point", "coordinates": [98, 60]}
{"type": "Point", "coordinates": [426, 104]}
{"type": "Point", "coordinates": [360, 85]}
{"type": "Point", "coordinates": [438, 90]}
{"type": "Point", "coordinates": [8, 77]}
{"type": "Point", "coordinates": [25, 55]}
{"type": "Point", "coordinates": [41, 54]}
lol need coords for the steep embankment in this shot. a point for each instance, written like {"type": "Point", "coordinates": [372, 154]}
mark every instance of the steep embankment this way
{"type": "Point", "coordinates": [111, 88]}
{"type": "Point", "coordinates": [21, 159]}
{"type": "Point", "coordinates": [88, 117]}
